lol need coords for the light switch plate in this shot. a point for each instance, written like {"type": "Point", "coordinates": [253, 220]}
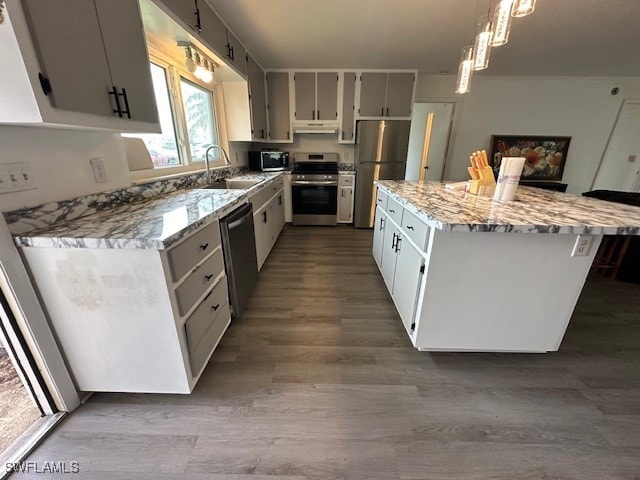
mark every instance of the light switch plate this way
{"type": "Point", "coordinates": [16, 177]}
{"type": "Point", "coordinates": [582, 246]}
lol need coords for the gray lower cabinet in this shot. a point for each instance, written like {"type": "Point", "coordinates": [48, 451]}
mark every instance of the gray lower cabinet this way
{"type": "Point", "coordinates": [278, 106]}
{"type": "Point", "coordinates": [93, 57]}
{"type": "Point", "coordinates": [258, 101]}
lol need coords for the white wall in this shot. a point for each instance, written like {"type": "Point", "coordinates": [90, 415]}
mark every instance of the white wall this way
{"type": "Point", "coordinates": [579, 107]}
{"type": "Point", "coordinates": [59, 161]}
{"type": "Point", "coordinates": [314, 142]}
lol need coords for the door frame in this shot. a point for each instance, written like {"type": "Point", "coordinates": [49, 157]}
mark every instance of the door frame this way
{"type": "Point", "coordinates": [30, 335]}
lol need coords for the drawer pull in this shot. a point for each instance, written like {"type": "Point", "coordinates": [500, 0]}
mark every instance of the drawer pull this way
{"type": "Point", "coordinates": [409, 227]}
{"type": "Point", "coordinates": [208, 277]}
{"type": "Point", "coordinates": [204, 247]}
{"type": "Point", "coordinates": [392, 210]}
{"type": "Point", "coordinates": [379, 200]}
{"type": "Point", "coordinates": [215, 307]}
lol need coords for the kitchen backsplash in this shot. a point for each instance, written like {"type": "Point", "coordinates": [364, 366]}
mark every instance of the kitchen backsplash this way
{"type": "Point", "coordinates": [29, 219]}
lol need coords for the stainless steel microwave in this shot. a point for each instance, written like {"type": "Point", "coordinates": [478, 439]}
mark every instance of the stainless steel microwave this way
{"type": "Point", "coordinates": [268, 161]}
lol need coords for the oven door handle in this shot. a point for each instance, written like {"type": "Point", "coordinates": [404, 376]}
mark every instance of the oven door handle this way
{"type": "Point", "coordinates": [311, 182]}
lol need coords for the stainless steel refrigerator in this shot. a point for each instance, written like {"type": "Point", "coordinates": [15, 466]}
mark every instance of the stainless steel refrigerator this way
{"type": "Point", "coordinates": [381, 154]}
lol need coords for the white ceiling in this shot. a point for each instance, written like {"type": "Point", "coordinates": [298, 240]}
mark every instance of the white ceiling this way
{"type": "Point", "coordinates": [562, 37]}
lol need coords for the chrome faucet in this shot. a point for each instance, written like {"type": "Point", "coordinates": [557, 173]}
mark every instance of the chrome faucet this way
{"type": "Point", "coordinates": [206, 160]}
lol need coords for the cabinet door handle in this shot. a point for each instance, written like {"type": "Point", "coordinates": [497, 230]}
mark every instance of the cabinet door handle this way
{"type": "Point", "coordinates": [197, 14]}
{"type": "Point", "coordinates": [382, 112]}
{"type": "Point", "coordinates": [233, 55]}
{"type": "Point", "coordinates": [215, 307]}
{"type": "Point", "coordinates": [409, 227]}
{"type": "Point", "coordinates": [398, 240]}
{"type": "Point", "coordinates": [313, 114]}
{"type": "Point", "coordinates": [204, 247]}
{"type": "Point", "coordinates": [318, 114]}
{"type": "Point", "coordinates": [264, 217]}
{"type": "Point", "coordinates": [114, 92]}
{"type": "Point", "coordinates": [381, 223]}
{"type": "Point", "coordinates": [387, 111]}
{"type": "Point", "coordinates": [393, 242]}
{"type": "Point", "coordinates": [126, 112]}
{"type": "Point", "coordinates": [208, 277]}
{"type": "Point", "coordinates": [392, 210]}
{"type": "Point", "coordinates": [280, 200]}
{"type": "Point", "coordinates": [342, 192]}
{"type": "Point", "coordinates": [343, 135]}
{"type": "Point", "coordinates": [262, 133]}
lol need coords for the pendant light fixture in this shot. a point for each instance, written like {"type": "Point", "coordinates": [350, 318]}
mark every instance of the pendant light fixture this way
{"type": "Point", "coordinates": [481, 48]}
{"type": "Point", "coordinates": [501, 23]}
{"type": "Point", "coordinates": [465, 69]}
{"type": "Point", "coordinates": [522, 8]}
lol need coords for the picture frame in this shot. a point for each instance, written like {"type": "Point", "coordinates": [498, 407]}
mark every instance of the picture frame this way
{"type": "Point", "coordinates": [545, 156]}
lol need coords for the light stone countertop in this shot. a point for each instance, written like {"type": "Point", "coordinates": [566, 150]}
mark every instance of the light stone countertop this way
{"type": "Point", "coordinates": [533, 211]}
{"type": "Point", "coordinates": [153, 224]}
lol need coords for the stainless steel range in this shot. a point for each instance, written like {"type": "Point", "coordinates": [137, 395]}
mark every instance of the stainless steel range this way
{"type": "Point", "coordinates": [314, 189]}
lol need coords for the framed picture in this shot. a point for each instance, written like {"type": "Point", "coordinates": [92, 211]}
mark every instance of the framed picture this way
{"type": "Point", "coordinates": [545, 157]}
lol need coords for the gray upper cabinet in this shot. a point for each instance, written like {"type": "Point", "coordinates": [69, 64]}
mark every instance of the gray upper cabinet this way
{"type": "Point", "coordinates": [373, 87]}
{"type": "Point", "coordinates": [399, 94]}
{"type": "Point", "coordinates": [305, 94]}
{"type": "Point", "coordinates": [278, 106]}
{"type": "Point", "coordinates": [87, 49]}
{"type": "Point", "coordinates": [316, 95]}
{"type": "Point", "coordinates": [185, 10]}
{"type": "Point", "coordinates": [386, 94]}
{"type": "Point", "coordinates": [212, 30]}
{"type": "Point", "coordinates": [257, 97]}
{"type": "Point", "coordinates": [327, 95]}
{"type": "Point", "coordinates": [236, 53]}
{"type": "Point", "coordinates": [348, 107]}
{"type": "Point", "coordinates": [128, 60]}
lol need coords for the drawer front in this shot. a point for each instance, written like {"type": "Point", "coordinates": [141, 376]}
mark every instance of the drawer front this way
{"type": "Point", "coordinates": [199, 281]}
{"type": "Point", "coordinates": [415, 228]}
{"type": "Point", "coordinates": [261, 197]}
{"type": "Point", "coordinates": [198, 357]}
{"type": "Point", "coordinates": [200, 321]}
{"type": "Point", "coordinates": [185, 256]}
{"type": "Point", "coordinates": [346, 180]}
{"type": "Point", "coordinates": [394, 210]}
{"type": "Point", "coordinates": [381, 201]}
{"type": "Point", "coordinates": [276, 186]}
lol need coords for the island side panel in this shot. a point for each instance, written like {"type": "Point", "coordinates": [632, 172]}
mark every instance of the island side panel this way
{"type": "Point", "coordinates": [110, 312]}
{"type": "Point", "coordinates": [505, 292]}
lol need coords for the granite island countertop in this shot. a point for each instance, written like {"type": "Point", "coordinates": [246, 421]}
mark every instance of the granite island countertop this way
{"type": "Point", "coordinates": [533, 211]}
{"type": "Point", "coordinates": [156, 223]}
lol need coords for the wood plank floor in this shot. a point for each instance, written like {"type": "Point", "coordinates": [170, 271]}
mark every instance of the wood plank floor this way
{"type": "Point", "coordinates": [318, 380]}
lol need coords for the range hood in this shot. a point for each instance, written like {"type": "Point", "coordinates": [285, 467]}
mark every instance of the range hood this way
{"type": "Point", "coordinates": [315, 127]}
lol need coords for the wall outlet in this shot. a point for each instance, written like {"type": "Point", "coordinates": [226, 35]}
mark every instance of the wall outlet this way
{"type": "Point", "coordinates": [582, 246]}
{"type": "Point", "coordinates": [99, 172]}
{"type": "Point", "coordinates": [15, 177]}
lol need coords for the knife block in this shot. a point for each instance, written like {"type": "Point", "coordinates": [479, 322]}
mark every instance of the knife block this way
{"type": "Point", "coordinates": [482, 187]}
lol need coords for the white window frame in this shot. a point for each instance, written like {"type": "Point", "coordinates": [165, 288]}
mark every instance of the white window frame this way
{"type": "Point", "coordinates": [173, 73]}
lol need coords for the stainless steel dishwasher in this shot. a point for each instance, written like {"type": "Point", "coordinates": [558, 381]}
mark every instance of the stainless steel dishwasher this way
{"type": "Point", "coordinates": [239, 248]}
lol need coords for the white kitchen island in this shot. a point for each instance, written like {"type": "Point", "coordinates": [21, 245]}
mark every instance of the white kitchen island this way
{"type": "Point", "coordinates": [470, 274]}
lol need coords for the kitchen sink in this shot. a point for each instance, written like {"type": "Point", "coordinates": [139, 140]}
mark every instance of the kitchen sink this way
{"type": "Point", "coordinates": [230, 184]}
{"type": "Point", "coordinates": [235, 183]}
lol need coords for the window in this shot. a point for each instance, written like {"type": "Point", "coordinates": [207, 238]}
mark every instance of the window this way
{"type": "Point", "coordinates": [162, 147]}
{"type": "Point", "coordinates": [199, 111]}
